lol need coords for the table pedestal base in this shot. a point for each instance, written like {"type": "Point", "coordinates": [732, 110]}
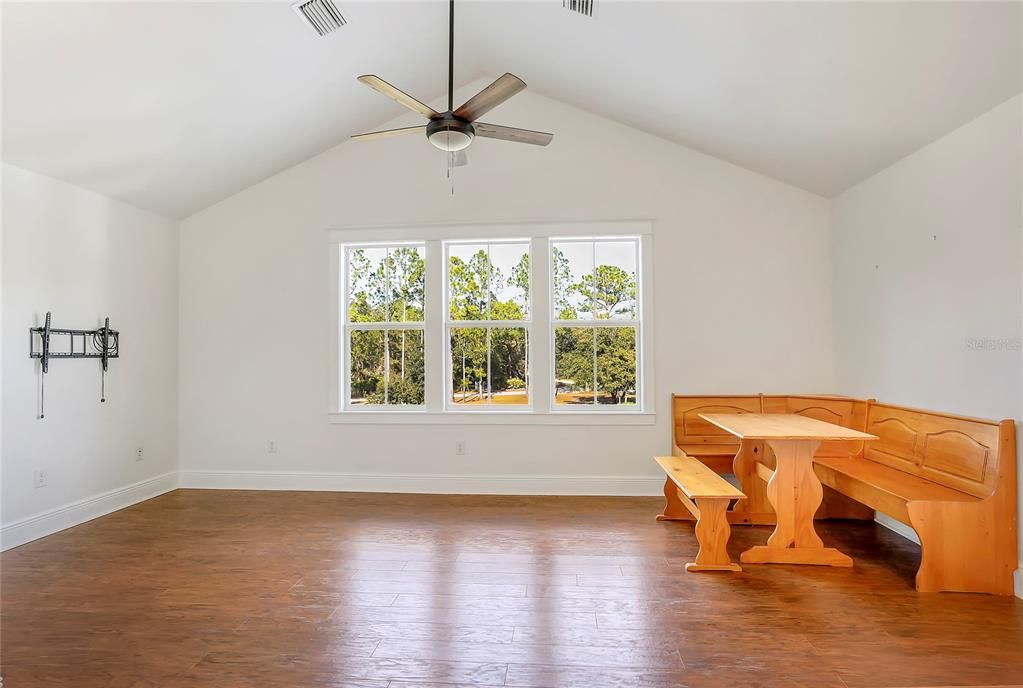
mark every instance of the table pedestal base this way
{"type": "Point", "coordinates": [795, 492]}
{"type": "Point", "coordinates": [820, 556]}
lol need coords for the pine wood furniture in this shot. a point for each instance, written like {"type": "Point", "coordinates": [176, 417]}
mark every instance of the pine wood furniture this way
{"type": "Point", "coordinates": [793, 489]}
{"type": "Point", "coordinates": [706, 495]}
{"type": "Point", "coordinates": [951, 478]}
{"type": "Point", "coordinates": [693, 436]}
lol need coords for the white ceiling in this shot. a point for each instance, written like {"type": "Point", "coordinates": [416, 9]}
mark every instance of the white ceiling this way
{"type": "Point", "coordinates": [173, 106]}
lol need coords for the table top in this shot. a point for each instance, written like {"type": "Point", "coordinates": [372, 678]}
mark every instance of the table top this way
{"type": "Point", "coordinates": [782, 426]}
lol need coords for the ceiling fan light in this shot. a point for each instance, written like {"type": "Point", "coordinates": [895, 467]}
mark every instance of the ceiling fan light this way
{"type": "Point", "coordinates": [451, 140]}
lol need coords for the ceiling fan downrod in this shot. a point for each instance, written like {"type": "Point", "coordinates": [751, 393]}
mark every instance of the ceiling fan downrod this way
{"type": "Point", "coordinates": [451, 56]}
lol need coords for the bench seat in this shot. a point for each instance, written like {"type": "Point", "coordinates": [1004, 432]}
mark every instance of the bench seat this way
{"type": "Point", "coordinates": [694, 487]}
{"type": "Point", "coordinates": [697, 480]}
{"type": "Point", "coordinates": [881, 487]}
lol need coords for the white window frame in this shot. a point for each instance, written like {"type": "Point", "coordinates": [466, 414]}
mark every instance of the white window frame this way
{"type": "Point", "coordinates": [595, 324]}
{"type": "Point", "coordinates": [541, 410]}
{"type": "Point", "coordinates": [450, 324]}
{"type": "Point", "coordinates": [347, 327]}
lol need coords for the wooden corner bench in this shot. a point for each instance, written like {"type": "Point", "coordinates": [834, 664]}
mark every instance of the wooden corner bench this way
{"type": "Point", "coordinates": [706, 495]}
{"type": "Point", "coordinates": [952, 479]}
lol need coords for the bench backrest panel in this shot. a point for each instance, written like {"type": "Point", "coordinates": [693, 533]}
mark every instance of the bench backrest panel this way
{"type": "Point", "coordinates": [849, 413]}
{"type": "Point", "coordinates": [697, 436]}
{"type": "Point", "coordinates": [961, 453]}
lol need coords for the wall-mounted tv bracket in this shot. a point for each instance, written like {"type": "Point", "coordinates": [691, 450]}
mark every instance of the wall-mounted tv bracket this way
{"type": "Point", "coordinates": [101, 344]}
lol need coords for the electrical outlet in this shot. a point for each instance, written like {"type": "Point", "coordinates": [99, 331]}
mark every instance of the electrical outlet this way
{"type": "Point", "coordinates": [271, 446]}
{"type": "Point", "coordinates": [41, 478]}
{"type": "Point", "coordinates": [139, 454]}
{"type": "Point", "coordinates": [460, 448]}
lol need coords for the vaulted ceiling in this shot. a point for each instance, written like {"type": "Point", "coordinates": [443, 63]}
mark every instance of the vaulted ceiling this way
{"type": "Point", "coordinates": [172, 106]}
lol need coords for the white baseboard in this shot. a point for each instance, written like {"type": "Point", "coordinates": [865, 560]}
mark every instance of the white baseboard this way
{"type": "Point", "coordinates": [611, 485]}
{"type": "Point", "coordinates": [1017, 581]}
{"type": "Point", "coordinates": [897, 527]}
{"type": "Point", "coordinates": [49, 522]}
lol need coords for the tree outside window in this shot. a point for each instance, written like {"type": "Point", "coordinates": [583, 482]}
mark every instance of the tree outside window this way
{"type": "Point", "coordinates": [488, 323]}
{"type": "Point", "coordinates": [384, 324]}
{"type": "Point", "coordinates": [596, 320]}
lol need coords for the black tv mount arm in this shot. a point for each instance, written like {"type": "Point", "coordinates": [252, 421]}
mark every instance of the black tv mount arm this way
{"type": "Point", "coordinates": [101, 343]}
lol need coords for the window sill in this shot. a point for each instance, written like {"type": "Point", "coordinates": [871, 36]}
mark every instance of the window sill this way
{"type": "Point", "coordinates": [491, 418]}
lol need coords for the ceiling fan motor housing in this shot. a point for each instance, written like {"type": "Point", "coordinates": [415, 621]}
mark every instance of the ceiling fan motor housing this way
{"type": "Point", "coordinates": [450, 133]}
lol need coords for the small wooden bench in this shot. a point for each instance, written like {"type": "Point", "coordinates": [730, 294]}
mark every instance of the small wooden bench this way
{"type": "Point", "coordinates": [706, 495]}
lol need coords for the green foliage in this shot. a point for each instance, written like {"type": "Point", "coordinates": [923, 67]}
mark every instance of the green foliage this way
{"type": "Point", "coordinates": [367, 364]}
{"type": "Point", "coordinates": [609, 291]}
{"type": "Point", "coordinates": [468, 286]}
{"type": "Point", "coordinates": [468, 358]}
{"type": "Point", "coordinates": [561, 284]}
{"type": "Point", "coordinates": [573, 358]}
{"type": "Point", "coordinates": [604, 357]}
{"type": "Point", "coordinates": [616, 364]}
{"type": "Point", "coordinates": [520, 280]}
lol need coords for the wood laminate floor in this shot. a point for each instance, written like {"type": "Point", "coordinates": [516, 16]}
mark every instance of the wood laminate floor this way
{"type": "Point", "coordinates": [230, 589]}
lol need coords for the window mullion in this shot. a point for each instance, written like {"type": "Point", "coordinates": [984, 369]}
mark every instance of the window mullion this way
{"type": "Point", "coordinates": [593, 312]}
{"type": "Point", "coordinates": [490, 389]}
{"type": "Point", "coordinates": [598, 324]}
{"type": "Point", "coordinates": [340, 365]}
{"type": "Point", "coordinates": [366, 326]}
{"type": "Point", "coordinates": [435, 349]}
{"type": "Point", "coordinates": [644, 333]}
{"type": "Point", "coordinates": [540, 350]}
{"type": "Point", "coordinates": [387, 366]}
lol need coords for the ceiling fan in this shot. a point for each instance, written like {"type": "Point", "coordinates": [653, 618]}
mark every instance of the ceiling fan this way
{"type": "Point", "coordinates": [454, 129]}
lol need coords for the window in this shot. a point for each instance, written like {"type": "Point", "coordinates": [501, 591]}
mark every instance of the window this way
{"type": "Point", "coordinates": [595, 320]}
{"type": "Point", "coordinates": [384, 316]}
{"type": "Point", "coordinates": [532, 323]}
{"type": "Point", "coordinates": [487, 326]}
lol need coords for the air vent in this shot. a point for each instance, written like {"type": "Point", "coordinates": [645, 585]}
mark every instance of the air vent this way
{"type": "Point", "coordinates": [322, 16]}
{"type": "Point", "coordinates": [583, 7]}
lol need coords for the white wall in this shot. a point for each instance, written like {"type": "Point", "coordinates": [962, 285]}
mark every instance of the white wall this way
{"type": "Point", "coordinates": [928, 260]}
{"type": "Point", "coordinates": [84, 257]}
{"type": "Point", "coordinates": [742, 297]}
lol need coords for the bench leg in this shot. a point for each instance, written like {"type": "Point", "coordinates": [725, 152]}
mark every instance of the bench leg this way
{"type": "Point", "coordinates": [712, 531]}
{"type": "Point", "coordinates": [674, 509]}
{"type": "Point", "coordinates": [964, 547]}
{"type": "Point", "coordinates": [755, 509]}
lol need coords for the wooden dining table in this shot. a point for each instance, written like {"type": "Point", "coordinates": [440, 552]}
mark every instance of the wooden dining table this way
{"type": "Point", "coordinates": [793, 488]}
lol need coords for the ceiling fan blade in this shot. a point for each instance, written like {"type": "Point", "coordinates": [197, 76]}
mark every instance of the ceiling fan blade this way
{"type": "Point", "coordinates": [496, 131]}
{"type": "Point", "coordinates": [490, 97]}
{"type": "Point", "coordinates": [388, 133]}
{"type": "Point", "coordinates": [378, 84]}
